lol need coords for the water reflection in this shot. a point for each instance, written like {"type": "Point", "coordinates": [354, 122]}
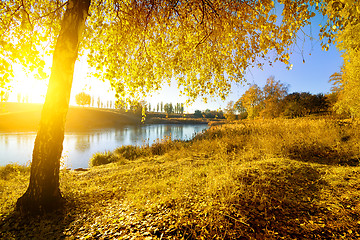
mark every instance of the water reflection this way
{"type": "Point", "coordinates": [80, 146]}
{"type": "Point", "coordinates": [83, 142]}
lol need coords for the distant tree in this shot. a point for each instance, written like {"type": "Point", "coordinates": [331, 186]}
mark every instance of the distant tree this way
{"type": "Point", "coordinates": [197, 114]}
{"type": "Point", "coordinates": [302, 104]}
{"type": "Point", "coordinates": [23, 98]}
{"type": "Point", "coordinates": [318, 103]}
{"type": "Point", "coordinates": [219, 114]}
{"type": "Point", "coordinates": [137, 108]}
{"type": "Point", "coordinates": [171, 108]}
{"type": "Point", "coordinates": [213, 114]}
{"type": "Point", "coordinates": [252, 101]}
{"type": "Point", "coordinates": [157, 107]}
{"type": "Point", "coordinates": [181, 108]}
{"type": "Point", "coordinates": [92, 101]}
{"type": "Point", "coordinates": [292, 106]}
{"type": "Point", "coordinates": [178, 108]}
{"type": "Point", "coordinates": [208, 114]}
{"type": "Point", "coordinates": [149, 107]}
{"type": "Point", "coordinates": [230, 111]}
{"type": "Point", "coordinates": [82, 99]}
{"type": "Point", "coordinates": [98, 102]}
{"type": "Point", "coordinates": [296, 105]}
{"type": "Point", "coordinates": [161, 107]}
{"type": "Point", "coordinates": [274, 92]}
{"type": "Point", "coordinates": [168, 108]}
{"type": "Point", "coordinates": [239, 107]}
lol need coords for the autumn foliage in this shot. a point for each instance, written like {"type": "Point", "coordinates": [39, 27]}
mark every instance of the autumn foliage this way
{"type": "Point", "coordinates": [273, 101]}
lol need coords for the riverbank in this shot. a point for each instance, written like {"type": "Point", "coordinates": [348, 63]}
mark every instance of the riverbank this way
{"type": "Point", "coordinates": [26, 117]}
{"type": "Point", "coordinates": [274, 179]}
{"type": "Point", "coordinates": [157, 120]}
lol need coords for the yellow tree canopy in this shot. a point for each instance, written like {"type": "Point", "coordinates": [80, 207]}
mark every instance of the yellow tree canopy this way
{"type": "Point", "coordinates": [345, 16]}
{"type": "Point", "coordinates": [139, 44]}
{"type": "Point", "coordinates": [252, 101]}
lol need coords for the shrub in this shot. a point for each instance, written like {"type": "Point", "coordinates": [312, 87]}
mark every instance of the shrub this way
{"type": "Point", "coordinates": [103, 158]}
{"type": "Point", "coordinates": [160, 147]}
{"type": "Point", "coordinates": [131, 152]}
{"type": "Point", "coordinates": [10, 169]}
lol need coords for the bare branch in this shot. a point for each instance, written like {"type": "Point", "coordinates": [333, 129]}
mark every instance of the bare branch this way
{"type": "Point", "coordinates": [52, 12]}
{"type": "Point", "coordinates": [204, 39]}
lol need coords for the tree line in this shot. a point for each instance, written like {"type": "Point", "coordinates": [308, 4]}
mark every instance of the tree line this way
{"type": "Point", "coordinates": [273, 101]}
{"type": "Point", "coordinates": [168, 108]}
{"type": "Point", "coordinates": [84, 99]}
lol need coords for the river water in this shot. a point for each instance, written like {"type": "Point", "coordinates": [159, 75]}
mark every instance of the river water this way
{"type": "Point", "coordinates": [16, 147]}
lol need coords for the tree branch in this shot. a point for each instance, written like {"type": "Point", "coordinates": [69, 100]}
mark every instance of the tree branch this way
{"type": "Point", "coordinates": [203, 39]}
{"type": "Point", "coordinates": [52, 12]}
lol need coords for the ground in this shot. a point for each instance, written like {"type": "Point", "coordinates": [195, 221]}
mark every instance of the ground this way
{"type": "Point", "coordinates": [274, 179]}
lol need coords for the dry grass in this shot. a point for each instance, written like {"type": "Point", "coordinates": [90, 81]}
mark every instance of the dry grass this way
{"type": "Point", "coordinates": [279, 179]}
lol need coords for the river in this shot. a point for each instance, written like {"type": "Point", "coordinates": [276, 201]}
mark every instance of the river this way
{"type": "Point", "coordinates": [16, 147]}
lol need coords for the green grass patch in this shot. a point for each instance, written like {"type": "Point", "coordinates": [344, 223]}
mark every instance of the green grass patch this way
{"type": "Point", "coordinates": [278, 179]}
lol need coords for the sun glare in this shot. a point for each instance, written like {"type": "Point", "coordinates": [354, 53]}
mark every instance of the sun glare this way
{"type": "Point", "coordinates": [26, 88]}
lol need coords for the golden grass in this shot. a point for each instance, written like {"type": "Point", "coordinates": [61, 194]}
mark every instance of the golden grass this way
{"type": "Point", "coordinates": [278, 179]}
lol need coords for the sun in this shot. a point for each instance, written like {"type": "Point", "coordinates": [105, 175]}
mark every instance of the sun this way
{"type": "Point", "coordinates": [26, 88]}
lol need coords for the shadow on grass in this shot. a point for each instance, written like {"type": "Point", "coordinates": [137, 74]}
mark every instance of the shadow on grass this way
{"type": "Point", "coordinates": [49, 226]}
{"type": "Point", "coordinates": [287, 204]}
{"type": "Point", "coordinates": [322, 155]}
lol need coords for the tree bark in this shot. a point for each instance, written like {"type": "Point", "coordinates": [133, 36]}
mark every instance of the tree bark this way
{"type": "Point", "coordinates": [43, 194]}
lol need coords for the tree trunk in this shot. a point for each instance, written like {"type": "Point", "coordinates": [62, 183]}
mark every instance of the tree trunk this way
{"type": "Point", "coordinates": [43, 194]}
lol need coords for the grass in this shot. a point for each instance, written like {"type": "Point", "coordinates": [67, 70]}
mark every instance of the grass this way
{"type": "Point", "coordinates": [275, 179]}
